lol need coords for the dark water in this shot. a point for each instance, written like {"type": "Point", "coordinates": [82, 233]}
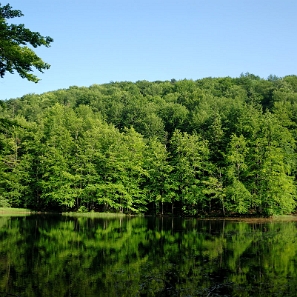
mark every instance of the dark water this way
{"type": "Point", "coordinates": [47, 256]}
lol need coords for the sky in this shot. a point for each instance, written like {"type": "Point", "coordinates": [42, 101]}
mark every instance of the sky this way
{"type": "Point", "coordinates": [99, 41]}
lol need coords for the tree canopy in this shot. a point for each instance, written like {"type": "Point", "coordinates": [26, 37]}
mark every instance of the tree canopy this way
{"type": "Point", "coordinates": [15, 53]}
{"type": "Point", "coordinates": [214, 146]}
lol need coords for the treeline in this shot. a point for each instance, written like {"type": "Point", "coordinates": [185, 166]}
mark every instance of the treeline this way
{"type": "Point", "coordinates": [212, 146]}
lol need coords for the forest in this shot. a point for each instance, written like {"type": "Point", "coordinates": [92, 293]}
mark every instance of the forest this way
{"type": "Point", "coordinates": [208, 147]}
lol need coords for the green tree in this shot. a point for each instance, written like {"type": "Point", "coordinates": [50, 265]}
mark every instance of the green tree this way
{"type": "Point", "coordinates": [16, 159]}
{"type": "Point", "coordinates": [157, 184]}
{"type": "Point", "coordinates": [190, 164]}
{"type": "Point", "coordinates": [270, 161]}
{"type": "Point", "coordinates": [238, 198]}
{"type": "Point", "coordinates": [15, 55]}
{"type": "Point", "coordinates": [56, 157]}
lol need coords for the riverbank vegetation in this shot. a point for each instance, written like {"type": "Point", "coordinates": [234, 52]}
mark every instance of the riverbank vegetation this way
{"type": "Point", "coordinates": [212, 146]}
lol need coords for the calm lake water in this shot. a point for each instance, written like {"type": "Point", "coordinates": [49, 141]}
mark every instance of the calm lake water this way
{"type": "Point", "coordinates": [49, 256]}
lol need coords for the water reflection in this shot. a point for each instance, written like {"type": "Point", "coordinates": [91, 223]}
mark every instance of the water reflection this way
{"type": "Point", "coordinates": [61, 256]}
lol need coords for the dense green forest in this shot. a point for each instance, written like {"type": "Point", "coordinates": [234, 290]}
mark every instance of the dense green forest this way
{"type": "Point", "coordinates": [214, 146]}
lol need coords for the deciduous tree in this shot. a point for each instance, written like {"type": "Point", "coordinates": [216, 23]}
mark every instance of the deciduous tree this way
{"type": "Point", "coordinates": [15, 55]}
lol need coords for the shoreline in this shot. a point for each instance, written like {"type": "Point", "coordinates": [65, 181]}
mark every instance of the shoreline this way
{"type": "Point", "coordinates": [6, 211]}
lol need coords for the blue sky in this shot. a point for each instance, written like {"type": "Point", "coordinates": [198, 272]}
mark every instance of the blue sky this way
{"type": "Point", "coordinates": [98, 41]}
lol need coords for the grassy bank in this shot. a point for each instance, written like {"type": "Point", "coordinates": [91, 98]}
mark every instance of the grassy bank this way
{"type": "Point", "coordinates": [105, 215]}
{"type": "Point", "coordinates": [14, 210]}
{"type": "Point", "coordinates": [259, 220]}
{"type": "Point", "coordinates": [11, 211]}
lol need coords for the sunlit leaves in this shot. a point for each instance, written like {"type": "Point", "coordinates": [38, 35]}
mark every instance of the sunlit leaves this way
{"type": "Point", "coordinates": [15, 55]}
{"type": "Point", "coordinates": [212, 146]}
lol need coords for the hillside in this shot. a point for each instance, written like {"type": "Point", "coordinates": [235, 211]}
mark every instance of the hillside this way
{"type": "Point", "coordinates": [212, 146]}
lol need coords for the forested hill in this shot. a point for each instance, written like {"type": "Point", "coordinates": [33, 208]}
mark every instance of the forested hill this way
{"type": "Point", "coordinates": [211, 146]}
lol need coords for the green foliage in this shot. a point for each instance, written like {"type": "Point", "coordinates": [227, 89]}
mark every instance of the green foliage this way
{"type": "Point", "coordinates": [15, 55]}
{"type": "Point", "coordinates": [120, 256]}
{"type": "Point", "coordinates": [189, 160]}
{"type": "Point", "coordinates": [216, 146]}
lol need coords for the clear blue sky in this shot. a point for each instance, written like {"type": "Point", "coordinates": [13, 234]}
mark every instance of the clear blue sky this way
{"type": "Point", "coordinates": [98, 41]}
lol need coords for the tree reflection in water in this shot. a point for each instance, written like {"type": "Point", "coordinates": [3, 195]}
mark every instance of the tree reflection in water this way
{"type": "Point", "coordinates": [62, 256]}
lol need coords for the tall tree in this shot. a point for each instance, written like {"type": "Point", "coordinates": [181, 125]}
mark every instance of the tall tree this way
{"type": "Point", "coordinates": [270, 160]}
{"type": "Point", "coordinates": [189, 159]}
{"type": "Point", "coordinates": [238, 198]}
{"type": "Point", "coordinates": [157, 184]}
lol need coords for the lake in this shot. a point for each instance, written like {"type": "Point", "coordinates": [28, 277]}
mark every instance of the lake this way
{"type": "Point", "coordinates": [47, 256]}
